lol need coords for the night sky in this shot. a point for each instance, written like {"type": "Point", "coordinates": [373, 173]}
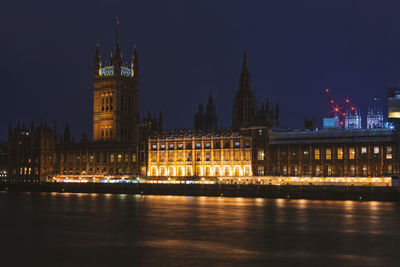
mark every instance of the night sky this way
{"type": "Point", "coordinates": [189, 49]}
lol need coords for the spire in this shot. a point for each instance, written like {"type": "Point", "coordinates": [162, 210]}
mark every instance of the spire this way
{"type": "Point", "coordinates": [199, 119]}
{"type": "Point", "coordinates": [97, 60]}
{"type": "Point", "coordinates": [67, 134]}
{"type": "Point", "coordinates": [210, 116]}
{"type": "Point", "coordinates": [117, 51]}
{"type": "Point", "coordinates": [244, 81]}
{"type": "Point", "coordinates": [32, 126]}
{"type": "Point", "coordinates": [277, 114]}
{"type": "Point", "coordinates": [55, 128]}
{"type": "Point", "coordinates": [134, 57]}
{"type": "Point", "coordinates": [134, 62]}
{"type": "Point", "coordinates": [160, 121]}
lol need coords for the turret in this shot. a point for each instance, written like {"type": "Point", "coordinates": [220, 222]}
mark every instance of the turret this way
{"type": "Point", "coordinates": [199, 118]}
{"type": "Point", "coordinates": [276, 115]}
{"type": "Point", "coordinates": [134, 62]}
{"type": "Point", "coordinates": [55, 129]}
{"type": "Point", "coordinates": [210, 116]}
{"type": "Point", "coordinates": [244, 81]}
{"type": "Point", "coordinates": [160, 121]}
{"type": "Point", "coordinates": [97, 61]}
{"type": "Point", "coordinates": [67, 134]}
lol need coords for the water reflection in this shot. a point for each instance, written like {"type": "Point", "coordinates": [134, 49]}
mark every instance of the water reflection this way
{"type": "Point", "coordinates": [179, 230]}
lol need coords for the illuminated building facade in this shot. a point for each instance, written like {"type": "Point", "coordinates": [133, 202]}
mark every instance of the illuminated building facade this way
{"type": "Point", "coordinates": [115, 106]}
{"type": "Point", "coordinates": [334, 153]}
{"type": "Point", "coordinates": [199, 154]}
{"type": "Point", "coordinates": [252, 151]}
{"type": "Point", "coordinates": [118, 149]}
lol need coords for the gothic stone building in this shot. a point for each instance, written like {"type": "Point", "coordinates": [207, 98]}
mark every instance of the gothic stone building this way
{"type": "Point", "coordinates": [118, 149]}
{"type": "Point", "coordinates": [253, 149]}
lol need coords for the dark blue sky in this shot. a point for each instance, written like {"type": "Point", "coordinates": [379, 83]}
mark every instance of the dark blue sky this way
{"type": "Point", "coordinates": [188, 49]}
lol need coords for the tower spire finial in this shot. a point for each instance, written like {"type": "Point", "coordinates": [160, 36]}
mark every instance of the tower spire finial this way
{"type": "Point", "coordinates": [244, 81]}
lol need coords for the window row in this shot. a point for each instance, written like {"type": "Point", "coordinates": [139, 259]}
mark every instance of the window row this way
{"type": "Point", "coordinates": [351, 153]}
{"type": "Point", "coordinates": [200, 145]}
{"type": "Point", "coordinates": [106, 103]}
{"type": "Point", "coordinates": [199, 156]}
{"type": "Point", "coordinates": [332, 170]}
{"type": "Point", "coordinates": [97, 158]}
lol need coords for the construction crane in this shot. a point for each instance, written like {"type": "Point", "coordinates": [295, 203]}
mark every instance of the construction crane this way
{"type": "Point", "coordinates": [336, 110]}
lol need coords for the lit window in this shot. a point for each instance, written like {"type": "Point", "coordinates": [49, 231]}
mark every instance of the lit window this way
{"type": "Point", "coordinates": [217, 155]}
{"type": "Point", "coordinates": [237, 144]}
{"type": "Point", "coordinates": [305, 152]}
{"type": "Point", "coordinates": [352, 170]}
{"type": "Point", "coordinates": [112, 158]}
{"type": "Point", "coordinates": [180, 146]}
{"type": "Point", "coordinates": [247, 144]}
{"type": "Point", "coordinates": [162, 146]}
{"type": "Point", "coordinates": [389, 152]}
{"type": "Point", "coordinates": [237, 155]}
{"type": "Point", "coordinates": [376, 149]}
{"type": "Point", "coordinates": [198, 156]}
{"type": "Point", "coordinates": [364, 170]}
{"type": "Point", "coordinates": [247, 155]}
{"type": "Point", "coordinates": [208, 145]}
{"type": "Point", "coordinates": [340, 153]}
{"type": "Point", "coordinates": [198, 145]}
{"type": "Point", "coordinates": [328, 153]}
{"type": "Point", "coordinates": [171, 146]}
{"type": "Point", "coordinates": [260, 132]}
{"type": "Point", "coordinates": [154, 147]}
{"type": "Point", "coordinates": [119, 157]}
{"type": "Point", "coordinates": [364, 150]}
{"type": "Point", "coordinates": [260, 154]}
{"type": "Point", "coordinates": [316, 154]}
{"type": "Point", "coordinates": [352, 153]}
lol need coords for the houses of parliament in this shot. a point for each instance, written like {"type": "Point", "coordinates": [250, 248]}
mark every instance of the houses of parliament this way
{"type": "Point", "coordinates": [124, 146]}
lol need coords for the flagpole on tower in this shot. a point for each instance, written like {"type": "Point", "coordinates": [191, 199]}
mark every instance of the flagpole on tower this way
{"type": "Point", "coordinates": [116, 29]}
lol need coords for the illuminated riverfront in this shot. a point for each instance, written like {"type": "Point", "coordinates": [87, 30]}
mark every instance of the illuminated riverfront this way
{"type": "Point", "coordinates": [200, 133]}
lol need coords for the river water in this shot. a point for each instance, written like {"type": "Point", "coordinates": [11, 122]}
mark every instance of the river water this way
{"type": "Point", "coordinates": [54, 229]}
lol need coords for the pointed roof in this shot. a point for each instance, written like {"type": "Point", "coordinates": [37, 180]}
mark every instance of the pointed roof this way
{"type": "Point", "coordinates": [97, 54]}
{"type": "Point", "coordinates": [244, 81]}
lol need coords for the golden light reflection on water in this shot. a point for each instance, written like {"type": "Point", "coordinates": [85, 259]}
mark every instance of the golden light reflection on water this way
{"type": "Point", "coordinates": [205, 248]}
{"type": "Point", "coordinates": [239, 231]}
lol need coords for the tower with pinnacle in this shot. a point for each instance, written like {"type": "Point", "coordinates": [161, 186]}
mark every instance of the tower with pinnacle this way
{"type": "Point", "coordinates": [115, 96]}
{"type": "Point", "coordinates": [244, 105]}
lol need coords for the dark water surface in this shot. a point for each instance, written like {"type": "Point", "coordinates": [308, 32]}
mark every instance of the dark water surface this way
{"type": "Point", "coordinates": [52, 229]}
